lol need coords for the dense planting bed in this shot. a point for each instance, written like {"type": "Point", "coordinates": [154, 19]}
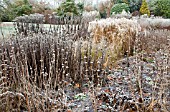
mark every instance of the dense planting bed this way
{"type": "Point", "coordinates": [71, 71]}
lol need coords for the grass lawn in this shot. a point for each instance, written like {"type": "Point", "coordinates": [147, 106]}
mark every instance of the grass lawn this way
{"type": "Point", "coordinates": [6, 28]}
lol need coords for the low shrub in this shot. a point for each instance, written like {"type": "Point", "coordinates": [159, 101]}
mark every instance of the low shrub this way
{"type": "Point", "coordinates": [7, 16]}
{"type": "Point", "coordinates": [124, 14]}
{"type": "Point", "coordinates": [154, 23]}
{"type": "Point", "coordinates": [160, 8]}
{"type": "Point", "coordinates": [118, 8]}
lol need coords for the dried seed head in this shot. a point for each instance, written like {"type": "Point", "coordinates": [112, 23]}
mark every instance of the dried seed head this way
{"type": "Point", "coordinates": [62, 50]}
{"type": "Point", "coordinates": [85, 62]}
{"type": "Point", "coordinates": [98, 62]}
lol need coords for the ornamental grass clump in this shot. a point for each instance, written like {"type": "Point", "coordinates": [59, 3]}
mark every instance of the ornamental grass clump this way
{"type": "Point", "coordinates": [119, 33]}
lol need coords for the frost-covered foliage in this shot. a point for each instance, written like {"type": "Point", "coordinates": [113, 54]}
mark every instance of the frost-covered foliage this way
{"type": "Point", "coordinates": [121, 15]}
{"type": "Point", "coordinates": [24, 23]}
{"type": "Point", "coordinates": [29, 74]}
{"type": "Point", "coordinates": [51, 72]}
{"type": "Point", "coordinates": [32, 18]}
{"type": "Point", "coordinates": [69, 24]}
{"type": "Point", "coordinates": [120, 33]}
{"type": "Point", "coordinates": [154, 23]}
{"type": "Point", "coordinates": [90, 16]}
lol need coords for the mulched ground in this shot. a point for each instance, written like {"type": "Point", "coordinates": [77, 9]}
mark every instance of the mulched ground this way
{"type": "Point", "coordinates": [121, 89]}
